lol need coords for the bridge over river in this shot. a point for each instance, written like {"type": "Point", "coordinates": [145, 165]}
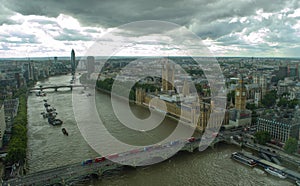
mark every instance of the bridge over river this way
{"type": "Point", "coordinates": [56, 87]}
{"type": "Point", "coordinates": [70, 173]}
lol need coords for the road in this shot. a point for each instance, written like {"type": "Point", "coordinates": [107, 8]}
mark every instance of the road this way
{"type": "Point", "coordinates": [65, 173]}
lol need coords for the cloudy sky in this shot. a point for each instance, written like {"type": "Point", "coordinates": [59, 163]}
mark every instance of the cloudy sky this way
{"type": "Point", "coordinates": [47, 28]}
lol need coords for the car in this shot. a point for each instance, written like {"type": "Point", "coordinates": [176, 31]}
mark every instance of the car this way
{"type": "Point", "coordinates": [215, 134]}
{"type": "Point", "coordinates": [174, 142]}
{"type": "Point", "coordinates": [191, 139]}
{"type": "Point", "coordinates": [99, 159]}
{"type": "Point", "coordinates": [134, 151]}
{"type": "Point", "coordinates": [87, 162]}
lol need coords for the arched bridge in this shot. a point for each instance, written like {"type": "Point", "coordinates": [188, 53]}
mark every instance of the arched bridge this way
{"type": "Point", "coordinates": [56, 87]}
{"type": "Point", "coordinates": [70, 173]}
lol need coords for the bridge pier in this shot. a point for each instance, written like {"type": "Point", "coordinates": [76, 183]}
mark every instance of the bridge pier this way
{"type": "Point", "coordinates": [55, 89]}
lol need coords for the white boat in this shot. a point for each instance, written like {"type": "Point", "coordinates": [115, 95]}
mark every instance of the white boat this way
{"type": "Point", "coordinates": [298, 182]}
{"type": "Point", "coordinates": [275, 172]}
{"type": "Point", "coordinates": [243, 159]}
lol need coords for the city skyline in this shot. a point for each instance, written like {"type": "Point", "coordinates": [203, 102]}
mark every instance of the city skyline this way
{"type": "Point", "coordinates": [228, 29]}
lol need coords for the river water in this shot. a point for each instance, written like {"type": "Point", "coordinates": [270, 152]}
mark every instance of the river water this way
{"type": "Point", "coordinates": [49, 148]}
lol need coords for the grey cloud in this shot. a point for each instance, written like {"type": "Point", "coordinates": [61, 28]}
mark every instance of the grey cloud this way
{"type": "Point", "coordinates": [90, 30]}
{"type": "Point", "coordinates": [4, 46]}
{"type": "Point", "coordinates": [24, 38]}
{"type": "Point", "coordinates": [72, 35]}
{"type": "Point", "coordinates": [205, 13]}
{"type": "Point", "coordinates": [207, 18]}
{"type": "Point", "coordinates": [114, 13]}
{"type": "Point", "coordinates": [215, 30]}
{"type": "Point", "coordinates": [292, 51]}
{"type": "Point", "coordinates": [43, 21]}
{"type": "Point", "coordinates": [5, 13]}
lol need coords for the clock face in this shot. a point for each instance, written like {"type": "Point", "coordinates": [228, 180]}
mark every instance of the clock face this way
{"type": "Point", "coordinates": [237, 93]}
{"type": "Point", "coordinates": [244, 93]}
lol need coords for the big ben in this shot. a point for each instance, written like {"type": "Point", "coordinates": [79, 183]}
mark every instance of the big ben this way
{"type": "Point", "coordinates": [240, 96]}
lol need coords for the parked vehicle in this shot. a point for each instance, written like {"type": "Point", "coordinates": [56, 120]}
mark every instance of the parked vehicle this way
{"type": "Point", "coordinates": [99, 159]}
{"type": "Point", "coordinates": [191, 139]}
{"type": "Point", "coordinates": [134, 151]}
{"type": "Point", "coordinates": [87, 162]}
{"type": "Point", "coordinates": [174, 142]}
{"type": "Point", "coordinates": [215, 134]}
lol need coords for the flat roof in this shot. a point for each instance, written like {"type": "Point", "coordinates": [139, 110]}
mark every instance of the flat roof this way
{"type": "Point", "coordinates": [265, 162]}
{"type": "Point", "coordinates": [272, 164]}
{"type": "Point", "coordinates": [293, 173]}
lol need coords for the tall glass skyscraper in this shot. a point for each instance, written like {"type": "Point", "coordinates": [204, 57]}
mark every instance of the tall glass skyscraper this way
{"type": "Point", "coordinates": [73, 61]}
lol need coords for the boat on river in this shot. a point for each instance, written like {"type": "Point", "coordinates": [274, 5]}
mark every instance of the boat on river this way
{"type": "Point", "coordinates": [276, 172]}
{"type": "Point", "coordinates": [64, 131]}
{"type": "Point", "coordinates": [40, 93]}
{"type": "Point", "coordinates": [238, 156]}
{"type": "Point", "coordinates": [55, 122]}
{"type": "Point", "coordinates": [49, 114]}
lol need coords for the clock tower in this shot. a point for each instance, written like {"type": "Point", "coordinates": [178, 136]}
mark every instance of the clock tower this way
{"type": "Point", "coordinates": [240, 96]}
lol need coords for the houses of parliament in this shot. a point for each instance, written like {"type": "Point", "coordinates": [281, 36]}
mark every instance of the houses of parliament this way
{"type": "Point", "coordinates": [196, 111]}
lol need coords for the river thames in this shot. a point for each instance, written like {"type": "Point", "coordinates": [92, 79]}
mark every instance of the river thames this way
{"type": "Point", "coordinates": [49, 148]}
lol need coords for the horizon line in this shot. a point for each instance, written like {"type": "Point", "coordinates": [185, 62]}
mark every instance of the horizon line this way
{"type": "Point", "coordinates": [48, 58]}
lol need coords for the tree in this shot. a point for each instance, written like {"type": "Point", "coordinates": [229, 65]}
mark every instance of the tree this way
{"type": "Point", "coordinates": [199, 88]}
{"type": "Point", "coordinates": [231, 96]}
{"type": "Point", "coordinates": [282, 102]}
{"type": "Point", "coordinates": [251, 106]}
{"type": "Point", "coordinates": [291, 145]}
{"type": "Point", "coordinates": [262, 137]}
{"type": "Point", "coordinates": [18, 142]}
{"type": "Point", "coordinates": [269, 99]}
{"type": "Point", "coordinates": [292, 104]}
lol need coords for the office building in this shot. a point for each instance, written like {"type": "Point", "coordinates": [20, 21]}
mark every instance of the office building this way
{"type": "Point", "coordinates": [90, 64]}
{"type": "Point", "coordinates": [280, 129]}
{"type": "Point", "coordinates": [73, 61]}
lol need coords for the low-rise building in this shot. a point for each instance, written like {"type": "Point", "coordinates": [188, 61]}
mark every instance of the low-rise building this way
{"type": "Point", "coordinates": [280, 129]}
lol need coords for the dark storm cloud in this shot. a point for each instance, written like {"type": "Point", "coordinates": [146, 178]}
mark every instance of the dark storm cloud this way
{"type": "Point", "coordinates": [4, 14]}
{"type": "Point", "coordinates": [203, 15]}
{"type": "Point", "coordinates": [114, 13]}
{"type": "Point", "coordinates": [217, 20]}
